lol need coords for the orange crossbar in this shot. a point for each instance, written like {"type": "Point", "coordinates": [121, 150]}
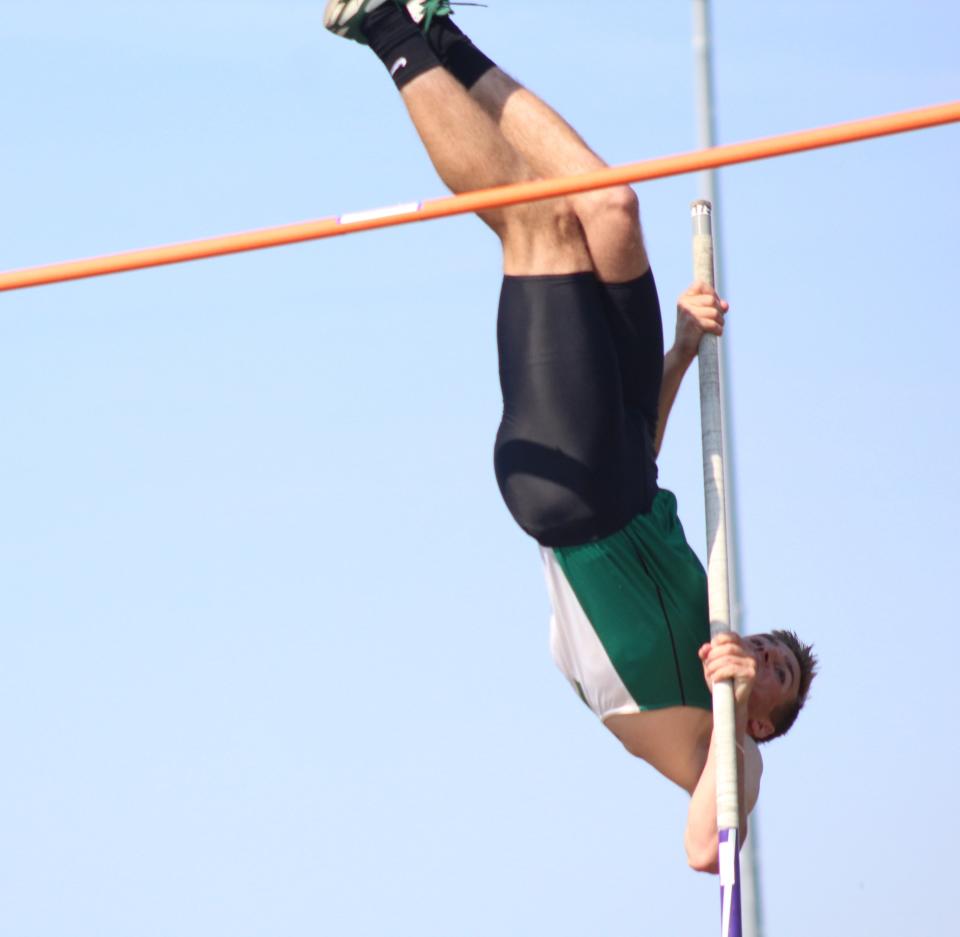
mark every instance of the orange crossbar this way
{"type": "Point", "coordinates": [484, 199]}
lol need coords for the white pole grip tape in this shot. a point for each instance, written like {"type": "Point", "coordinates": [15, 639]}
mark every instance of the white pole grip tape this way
{"type": "Point", "coordinates": [724, 727]}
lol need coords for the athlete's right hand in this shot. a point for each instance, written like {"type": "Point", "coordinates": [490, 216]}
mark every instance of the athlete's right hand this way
{"type": "Point", "coordinates": [726, 658]}
{"type": "Point", "coordinates": [699, 310]}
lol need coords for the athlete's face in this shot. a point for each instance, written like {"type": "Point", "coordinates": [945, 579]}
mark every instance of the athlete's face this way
{"type": "Point", "coordinates": [777, 681]}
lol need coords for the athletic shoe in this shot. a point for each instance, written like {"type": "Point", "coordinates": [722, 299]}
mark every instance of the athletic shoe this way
{"type": "Point", "coordinates": [425, 11]}
{"type": "Point", "coordinates": [345, 17]}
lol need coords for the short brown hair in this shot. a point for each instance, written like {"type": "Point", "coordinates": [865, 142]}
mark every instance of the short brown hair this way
{"type": "Point", "coordinates": [785, 716]}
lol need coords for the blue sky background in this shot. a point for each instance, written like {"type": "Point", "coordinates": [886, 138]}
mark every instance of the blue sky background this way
{"type": "Point", "coordinates": [274, 655]}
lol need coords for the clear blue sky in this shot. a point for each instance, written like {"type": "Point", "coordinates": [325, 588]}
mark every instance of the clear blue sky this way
{"type": "Point", "coordinates": [274, 655]}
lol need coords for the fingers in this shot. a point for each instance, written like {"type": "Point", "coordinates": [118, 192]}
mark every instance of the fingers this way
{"type": "Point", "coordinates": [700, 311]}
{"type": "Point", "coordinates": [743, 673]}
{"type": "Point", "coordinates": [704, 302]}
{"type": "Point", "coordinates": [700, 307]}
{"type": "Point", "coordinates": [725, 658]}
{"type": "Point", "coordinates": [725, 637]}
{"type": "Point", "coordinates": [726, 651]}
{"type": "Point", "coordinates": [693, 322]}
{"type": "Point", "coordinates": [700, 292]}
{"type": "Point", "coordinates": [721, 659]}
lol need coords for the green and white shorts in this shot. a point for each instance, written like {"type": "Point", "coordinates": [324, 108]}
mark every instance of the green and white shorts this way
{"type": "Point", "coordinates": [629, 615]}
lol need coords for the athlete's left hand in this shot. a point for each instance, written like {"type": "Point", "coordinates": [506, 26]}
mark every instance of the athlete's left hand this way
{"type": "Point", "coordinates": [726, 658]}
{"type": "Point", "coordinates": [699, 310]}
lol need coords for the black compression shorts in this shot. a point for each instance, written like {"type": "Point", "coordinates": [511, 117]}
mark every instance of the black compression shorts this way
{"type": "Point", "coordinates": [580, 368]}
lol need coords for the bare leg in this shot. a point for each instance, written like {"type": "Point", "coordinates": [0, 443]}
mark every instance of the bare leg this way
{"type": "Point", "coordinates": [469, 151]}
{"type": "Point", "coordinates": [551, 147]}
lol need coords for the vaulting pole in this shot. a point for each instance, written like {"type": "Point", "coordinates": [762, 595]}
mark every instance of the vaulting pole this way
{"type": "Point", "coordinates": [750, 880]}
{"type": "Point", "coordinates": [724, 716]}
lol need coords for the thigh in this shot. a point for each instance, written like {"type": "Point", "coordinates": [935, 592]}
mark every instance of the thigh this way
{"type": "Point", "coordinates": [633, 311]}
{"type": "Point", "coordinates": [570, 461]}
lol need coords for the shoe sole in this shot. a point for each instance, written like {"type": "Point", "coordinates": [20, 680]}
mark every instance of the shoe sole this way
{"type": "Point", "coordinates": [343, 17]}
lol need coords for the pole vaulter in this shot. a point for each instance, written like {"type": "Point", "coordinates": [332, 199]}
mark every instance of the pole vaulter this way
{"type": "Point", "coordinates": [639, 628]}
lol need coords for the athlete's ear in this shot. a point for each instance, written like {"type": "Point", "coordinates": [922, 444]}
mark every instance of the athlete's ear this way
{"type": "Point", "coordinates": [761, 728]}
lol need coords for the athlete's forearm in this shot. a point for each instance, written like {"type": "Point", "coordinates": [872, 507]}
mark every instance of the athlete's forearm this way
{"type": "Point", "coordinates": [701, 835]}
{"type": "Point", "coordinates": [675, 365]}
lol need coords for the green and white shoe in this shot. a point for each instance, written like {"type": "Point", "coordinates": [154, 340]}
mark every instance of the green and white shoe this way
{"type": "Point", "coordinates": [345, 17]}
{"type": "Point", "coordinates": [425, 11]}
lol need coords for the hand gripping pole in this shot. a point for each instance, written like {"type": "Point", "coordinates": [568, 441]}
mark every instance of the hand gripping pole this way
{"type": "Point", "coordinates": [724, 728]}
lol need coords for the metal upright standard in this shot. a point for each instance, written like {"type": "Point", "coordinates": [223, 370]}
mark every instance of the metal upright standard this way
{"type": "Point", "coordinates": [724, 717]}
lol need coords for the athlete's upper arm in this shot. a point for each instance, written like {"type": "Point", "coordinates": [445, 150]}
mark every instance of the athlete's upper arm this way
{"type": "Point", "coordinates": [752, 772]}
